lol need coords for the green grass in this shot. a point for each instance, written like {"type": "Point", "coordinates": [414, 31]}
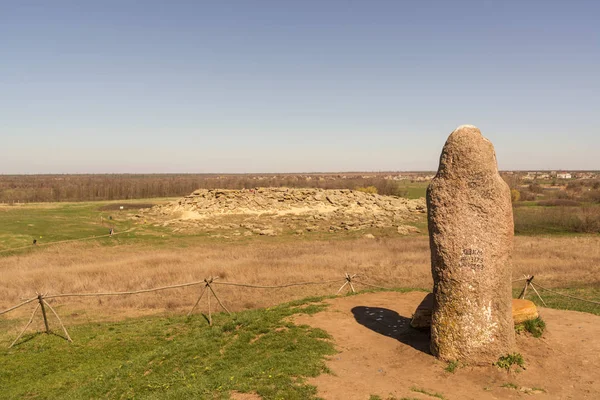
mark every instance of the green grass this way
{"type": "Point", "coordinates": [172, 358]}
{"type": "Point", "coordinates": [452, 366]}
{"type": "Point", "coordinates": [53, 222]}
{"type": "Point", "coordinates": [20, 225]}
{"type": "Point", "coordinates": [564, 303]}
{"type": "Point", "coordinates": [510, 386]}
{"type": "Point", "coordinates": [540, 220]}
{"type": "Point", "coordinates": [506, 362]}
{"type": "Point", "coordinates": [413, 190]}
{"type": "Point", "coordinates": [432, 394]}
{"type": "Point", "coordinates": [534, 326]}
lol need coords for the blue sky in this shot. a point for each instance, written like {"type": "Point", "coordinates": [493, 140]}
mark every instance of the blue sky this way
{"type": "Point", "coordinates": [291, 86]}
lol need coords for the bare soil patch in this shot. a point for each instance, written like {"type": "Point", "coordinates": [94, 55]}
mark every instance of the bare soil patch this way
{"type": "Point", "coordinates": [244, 396]}
{"type": "Point", "coordinates": [380, 354]}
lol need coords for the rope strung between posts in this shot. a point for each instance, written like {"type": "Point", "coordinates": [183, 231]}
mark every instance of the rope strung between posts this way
{"type": "Point", "coordinates": [565, 295]}
{"type": "Point", "coordinates": [18, 305]}
{"type": "Point", "coordinates": [208, 289]}
{"type": "Point", "coordinates": [65, 241]}
{"type": "Point", "coordinates": [124, 293]}
{"type": "Point", "coordinates": [528, 283]}
{"type": "Point", "coordinates": [349, 280]}
{"type": "Point", "coordinates": [277, 286]}
{"type": "Point", "coordinates": [62, 295]}
{"type": "Point", "coordinates": [388, 288]}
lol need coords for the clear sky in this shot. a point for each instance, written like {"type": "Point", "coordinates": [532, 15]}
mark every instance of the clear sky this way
{"type": "Point", "coordinates": [293, 86]}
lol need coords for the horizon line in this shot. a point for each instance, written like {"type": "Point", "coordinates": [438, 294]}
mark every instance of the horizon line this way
{"type": "Point", "coordinates": [283, 173]}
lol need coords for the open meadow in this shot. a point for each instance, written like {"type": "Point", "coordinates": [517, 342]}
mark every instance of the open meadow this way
{"type": "Point", "coordinates": [300, 200]}
{"type": "Point", "coordinates": [75, 254]}
{"type": "Point", "coordinates": [141, 255]}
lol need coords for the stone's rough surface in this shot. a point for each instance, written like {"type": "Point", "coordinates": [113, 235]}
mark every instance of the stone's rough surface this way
{"type": "Point", "coordinates": [471, 233]}
{"type": "Point", "coordinates": [523, 310]}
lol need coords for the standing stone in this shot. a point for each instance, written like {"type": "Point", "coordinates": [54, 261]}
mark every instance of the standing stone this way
{"type": "Point", "coordinates": [470, 235]}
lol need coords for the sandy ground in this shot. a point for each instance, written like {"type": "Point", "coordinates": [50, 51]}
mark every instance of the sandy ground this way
{"type": "Point", "coordinates": [380, 354]}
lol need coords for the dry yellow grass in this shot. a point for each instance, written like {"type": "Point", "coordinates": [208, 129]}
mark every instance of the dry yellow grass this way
{"type": "Point", "coordinates": [397, 262]}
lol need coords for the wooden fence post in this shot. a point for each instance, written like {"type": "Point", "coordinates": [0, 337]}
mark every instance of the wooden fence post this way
{"type": "Point", "coordinates": [527, 283]}
{"type": "Point", "coordinates": [348, 282]}
{"type": "Point", "coordinates": [41, 301]}
{"type": "Point", "coordinates": [209, 311]}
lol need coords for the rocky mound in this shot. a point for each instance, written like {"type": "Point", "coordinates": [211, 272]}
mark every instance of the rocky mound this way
{"type": "Point", "coordinates": [277, 209]}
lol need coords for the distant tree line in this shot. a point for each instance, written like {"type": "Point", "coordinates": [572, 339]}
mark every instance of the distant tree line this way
{"type": "Point", "coordinates": [56, 188]}
{"type": "Point", "coordinates": [584, 190]}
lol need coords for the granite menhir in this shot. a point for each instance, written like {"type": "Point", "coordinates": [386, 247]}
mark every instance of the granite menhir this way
{"type": "Point", "coordinates": [471, 237]}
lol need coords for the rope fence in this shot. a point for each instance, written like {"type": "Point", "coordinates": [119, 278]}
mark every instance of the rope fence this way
{"type": "Point", "coordinates": [349, 281]}
{"type": "Point", "coordinates": [566, 295]}
{"type": "Point", "coordinates": [37, 244]}
{"type": "Point", "coordinates": [208, 283]}
{"type": "Point", "coordinates": [276, 286]}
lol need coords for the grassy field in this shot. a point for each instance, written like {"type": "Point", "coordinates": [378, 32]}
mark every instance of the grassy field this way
{"type": "Point", "coordinates": [53, 222]}
{"type": "Point", "coordinates": [172, 358]}
{"type": "Point", "coordinates": [139, 346]}
{"type": "Point", "coordinates": [142, 255]}
{"type": "Point", "coordinates": [559, 302]}
{"type": "Point", "coordinates": [533, 219]}
{"type": "Point", "coordinates": [413, 190]}
{"type": "Point", "coordinates": [50, 223]}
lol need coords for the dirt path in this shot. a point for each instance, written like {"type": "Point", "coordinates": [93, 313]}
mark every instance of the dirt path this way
{"type": "Point", "coordinates": [381, 355]}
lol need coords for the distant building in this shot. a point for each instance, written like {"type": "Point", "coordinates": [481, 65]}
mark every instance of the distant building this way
{"type": "Point", "coordinates": [529, 177]}
{"type": "Point", "coordinates": [585, 175]}
{"type": "Point", "coordinates": [563, 175]}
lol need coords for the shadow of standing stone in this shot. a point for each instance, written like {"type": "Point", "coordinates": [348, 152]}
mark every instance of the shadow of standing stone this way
{"type": "Point", "coordinates": [389, 323]}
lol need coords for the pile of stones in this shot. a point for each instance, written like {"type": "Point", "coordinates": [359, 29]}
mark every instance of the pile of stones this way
{"type": "Point", "coordinates": [270, 211]}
